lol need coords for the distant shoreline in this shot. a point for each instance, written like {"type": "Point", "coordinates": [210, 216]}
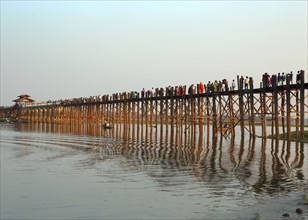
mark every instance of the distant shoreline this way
{"type": "Point", "coordinates": [293, 136]}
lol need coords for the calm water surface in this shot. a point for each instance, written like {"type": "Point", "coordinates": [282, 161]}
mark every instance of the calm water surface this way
{"type": "Point", "coordinates": [58, 172]}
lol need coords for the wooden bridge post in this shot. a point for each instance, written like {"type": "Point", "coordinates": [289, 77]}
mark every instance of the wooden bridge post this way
{"type": "Point", "coordinates": [45, 114]}
{"type": "Point", "coordinates": [220, 114]}
{"type": "Point", "coordinates": [190, 113]}
{"type": "Point", "coordinates": [200, 112]}
{"type": "Point", "coordinates": [302, 103]}
{"type": "Point", "coordinates": [139, 116]}
{"type": "Point", "coordinates": [97, 120]}
{"type": "Point", "coordinates": [142, 110]}
{"type": "Point", "coordinates": [275, 112]}
{"type": "Point", "coordinates": [80, 115]}
{"type": "Point", "coordinates": [241, 107]}
{"type": "Point", "coordinates": [47, 111]}
{"type": "Point", "coordinates": [214, 116]}
{"type": "Point", "coordinates": [183, 110]}
{"type": "Point", "coordinates": [125, 107]}
{"type": "Point", "coordinates": [161, 101]}
{"type": "Point", "coordinates": [183, 113]}
{"type": "Point", "coordinates": [146, 113]}
{"type": "Point", "coordinates": [151, 111]}
{"type": "Point", "coordinates": [60, 114]}
{"type": "Point", "coordinates": [282, 110]}
{"type": "Point", "coordinates": [65, 113]}
{"type": "Point", "coordinates": [79, 110]}
{"type": "Point", "coordinates": [93, 113]}
{"type": "Point", "coordinates": [288, 107]}
{"type": "Point", "coordinates": [128, 113]}
{"type": "Point", "coordinates": [232, 115]}
{"type": "Point", "coordinates": [120, 113]}
{"type": "Point", "coordinates": [40, 115]}
{"type": "Point", "coordinates": [177, 113]}
{"type": "Point", "coordinates": [263, 112]}
{"type": "Point", "coordinates": [108, 112]}
{"type": "Point", "coordinates": [69, 115]}
{"type": "Point", "coordinates": [73, 116]}
{"type": "Point", "coordinates": [37, 115]}
{"type": "Point", "coordinates": [29, 115]}
{"type": "Point", "coordinates": [27, 111]}
{"type": "Point", "coordinates": [133, 113]}
{"type": "Point", "coordinates": [156, 111]}
{"type": "Point", "coordinates": [185, 103]}
{"type": "Point", "coordinates": [31, 118]}
{"type": "Point", "coordinates": [172, 109]}
{"type": "Point", "coordinates": [32, 115]}
{"type": "Point", "coordinates": [208, 114]}
{"type": "Point", "coordinates": [54, 113]}
{"type": "Point", "coordinates": [166, 111]}
{"type": "Point", "coordinates": [297, 124]}
{"type": "Point", "coordinates": [252, 107]}
{"type": "Point", "coordinates": [86, 112]}
{"type": "Point", "coordinates": [113, 112]}
{"type": "Point", "coordinates": [193, 114]}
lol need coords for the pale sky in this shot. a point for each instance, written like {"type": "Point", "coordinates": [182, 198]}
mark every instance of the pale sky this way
{"type": "Point", "coordinates": [65, 49]}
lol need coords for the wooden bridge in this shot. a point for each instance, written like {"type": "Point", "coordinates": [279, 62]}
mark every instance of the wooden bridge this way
{"type": "Point", "coordinates": [278, 109]}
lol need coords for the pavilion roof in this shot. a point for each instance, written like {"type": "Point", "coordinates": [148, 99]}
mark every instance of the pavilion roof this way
{"type": "Point", "coordinates": [23, 98]}
{"type": "Point", "coordinates": [23, 95]}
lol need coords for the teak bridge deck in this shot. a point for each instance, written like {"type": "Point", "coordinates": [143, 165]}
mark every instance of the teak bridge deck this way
{"type": "Point", "coordinates": [279, 107]}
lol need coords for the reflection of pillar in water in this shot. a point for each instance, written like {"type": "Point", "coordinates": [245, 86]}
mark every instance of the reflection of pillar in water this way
{"type": "Point", "coordinates": [282, 110]}
{"type": "Point", "coordinates": [297, 115]}
{"type": "Point", "coordinates": [262, 168]}
{"type": "Point", "coordinates": [302, 104]}
{"type": "Point", "coordinates": [241, 151]}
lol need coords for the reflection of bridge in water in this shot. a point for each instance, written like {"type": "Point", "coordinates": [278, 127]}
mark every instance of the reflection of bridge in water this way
{"type": "Point", "coordinates": [259, 165]}
{"type": "Point", "coordinates": [282, 107]}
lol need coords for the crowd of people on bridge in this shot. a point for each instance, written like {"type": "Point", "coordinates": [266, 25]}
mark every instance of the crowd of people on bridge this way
{"type": "Point", "coordinates": [243, 83]}
{"type": "Point", "coordinates": [279, 79]}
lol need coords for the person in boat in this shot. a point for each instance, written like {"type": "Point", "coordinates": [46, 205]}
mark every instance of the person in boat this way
{"type": "Point", "coordinates": [106, 124]}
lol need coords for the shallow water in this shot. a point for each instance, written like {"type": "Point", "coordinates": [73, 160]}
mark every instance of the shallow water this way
{"type": "Point", "coordinates": [60, 172]}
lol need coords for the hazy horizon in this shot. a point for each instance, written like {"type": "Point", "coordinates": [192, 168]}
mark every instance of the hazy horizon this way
{"type": "Point", "coordinates": [54, 50]}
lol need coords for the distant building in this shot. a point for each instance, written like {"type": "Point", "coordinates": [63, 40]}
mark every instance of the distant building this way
{"type": "Point", "coordinates": [23, 100]}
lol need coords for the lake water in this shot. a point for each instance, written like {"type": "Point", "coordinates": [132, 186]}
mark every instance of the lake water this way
{"type": "Point", "coordinates": [58, 172]}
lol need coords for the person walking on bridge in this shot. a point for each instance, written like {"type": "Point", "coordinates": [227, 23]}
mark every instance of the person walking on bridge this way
{"type": "Point", "coordinates": [233, 85]}
{"type": "Point", "coordinates": [246, 83]}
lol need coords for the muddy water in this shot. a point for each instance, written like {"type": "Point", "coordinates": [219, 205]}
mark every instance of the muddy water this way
{"type": "Point", "coordinates": [61, 172]}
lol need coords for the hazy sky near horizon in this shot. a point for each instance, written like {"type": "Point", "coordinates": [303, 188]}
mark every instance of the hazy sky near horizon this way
{"type": "Point", "coordinates": [64, 49]}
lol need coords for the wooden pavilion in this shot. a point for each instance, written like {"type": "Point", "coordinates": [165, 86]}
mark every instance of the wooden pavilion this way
{"type": "Point", "coordinates": [23, 100]}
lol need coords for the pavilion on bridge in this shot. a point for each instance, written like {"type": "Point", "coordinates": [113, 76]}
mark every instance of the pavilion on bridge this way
{"type": "Point", "coordinates": [23, 100]}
